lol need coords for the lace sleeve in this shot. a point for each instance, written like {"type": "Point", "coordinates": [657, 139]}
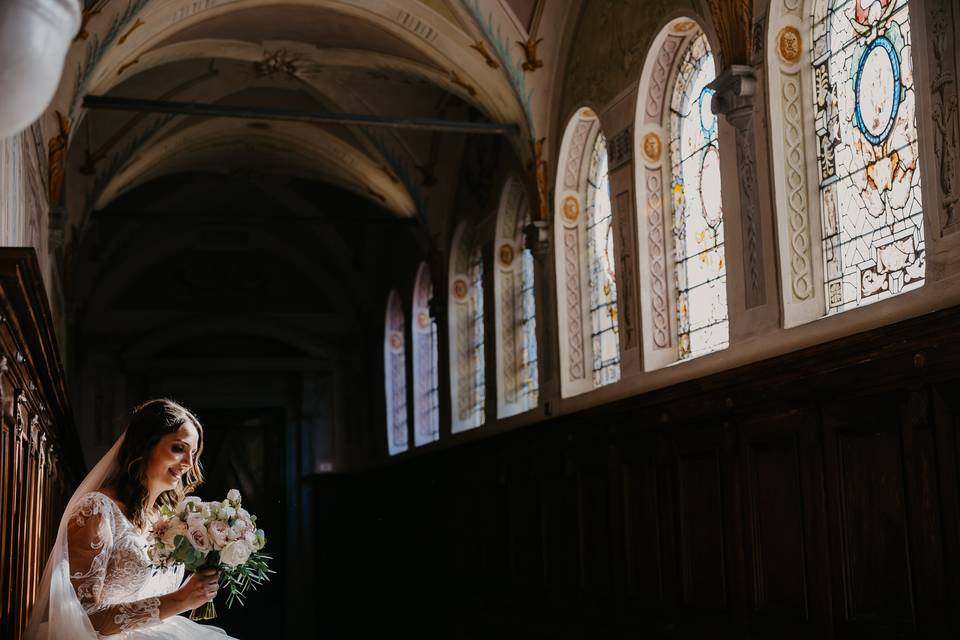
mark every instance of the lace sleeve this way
{"type": "Point", "coordinates": [90, 543]}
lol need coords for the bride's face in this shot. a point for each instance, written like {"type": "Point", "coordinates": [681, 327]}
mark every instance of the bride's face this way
{"type": "Point", "coordinates": [171, 457]}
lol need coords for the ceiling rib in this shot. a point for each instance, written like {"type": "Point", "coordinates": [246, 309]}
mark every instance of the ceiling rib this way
{"type": "Point", "coordinates": [264, 113]}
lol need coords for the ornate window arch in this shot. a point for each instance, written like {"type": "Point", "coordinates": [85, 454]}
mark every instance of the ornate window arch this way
{"type": "Point", "coordinates": [426, 381]}
{"type": "Point", "coordinates": [517, 374]}
{"type": "Point", "coordinates": [466, 325]}
{"type": "Point", "coordinates": [681, 247]}
{"type": "Point", "coordinates": [585, 260]}
{"type": "Point", "coordinates": [395, 375]}
{"type": "Point", "coordinates": [846, 158]}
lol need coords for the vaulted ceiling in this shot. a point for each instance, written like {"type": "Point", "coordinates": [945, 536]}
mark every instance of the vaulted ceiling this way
{"type": "Point", "coordinates": [386, 59]}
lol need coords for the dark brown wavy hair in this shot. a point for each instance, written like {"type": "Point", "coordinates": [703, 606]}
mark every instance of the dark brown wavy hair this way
{"type": "Point", "coordinates": [148, 423]}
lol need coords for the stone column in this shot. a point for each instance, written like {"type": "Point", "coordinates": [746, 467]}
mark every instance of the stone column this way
{"type": "Point", "coordinates": [735, 90]}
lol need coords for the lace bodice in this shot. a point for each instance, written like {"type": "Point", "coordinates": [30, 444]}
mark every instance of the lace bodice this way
{"type": "Point", "coordinates": [109, 569]}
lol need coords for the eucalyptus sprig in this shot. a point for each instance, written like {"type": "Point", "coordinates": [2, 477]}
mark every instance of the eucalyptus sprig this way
{"type": "Point", "coordinates": [249, 575]}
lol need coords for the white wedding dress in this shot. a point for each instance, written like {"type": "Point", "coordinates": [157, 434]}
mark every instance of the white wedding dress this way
{"type": "Point", "coordinates": [98, 581]}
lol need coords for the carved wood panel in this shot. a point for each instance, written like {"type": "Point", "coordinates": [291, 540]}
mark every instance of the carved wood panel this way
{"type": "Point", "coordinates": [700, 515]}
{"type": "Point", "coordinates": [40, 460]}
{"type": "Point", "coordinates": [865, 466]}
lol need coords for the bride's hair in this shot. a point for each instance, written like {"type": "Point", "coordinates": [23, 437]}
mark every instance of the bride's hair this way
{"type": "Point", "coordinates": [148, 423]}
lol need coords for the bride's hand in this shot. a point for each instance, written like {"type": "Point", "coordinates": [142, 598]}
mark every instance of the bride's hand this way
{"type": "Point", "coordinates": [199, 588]}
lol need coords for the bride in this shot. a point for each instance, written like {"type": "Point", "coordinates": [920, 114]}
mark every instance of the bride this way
{"type": "Point", "coordinates": [98, 581]}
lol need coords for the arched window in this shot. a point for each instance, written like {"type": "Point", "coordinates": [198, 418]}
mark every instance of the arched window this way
{"type": "Point", "coordinates": [468, 385]}
{"type": "Point", "coordinates": [585, 260]}
{"type": "Point", "coordinates": [846, 166]}
{"type": "Point", "coordinates": [682, 265]}
{"type": "Point", "coordinates": [517, 379]}
{"type": "Point", "coordinates": [426, 383]}
{"type": "Point", "coordinates": [395, 376]}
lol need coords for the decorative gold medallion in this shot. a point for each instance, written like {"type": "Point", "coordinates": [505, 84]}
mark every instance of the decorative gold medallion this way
{"type": "Point", "coordinates": [652, 147]}
{"type": "Point", "coordinates": [506, 255]}
{"type": "Point", "coordinates": [571, 208]}
{"type": "Point", "coordinates": [396, 342]}
{"type": "Point", "coordinates": [423, 320]}
{"type": "Point", "coordinates": [789, 45]}
{"type": "Point", "coordinates": [460, 289]}
{"type": "Point", "coordinates": [683, 26]}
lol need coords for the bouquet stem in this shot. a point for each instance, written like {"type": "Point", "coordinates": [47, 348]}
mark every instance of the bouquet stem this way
{"type": "Point", "coordinates": [205, 611]}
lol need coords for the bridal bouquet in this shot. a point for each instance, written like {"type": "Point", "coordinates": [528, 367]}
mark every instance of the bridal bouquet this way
{"type": "Point", "coordinates": [220, 535]}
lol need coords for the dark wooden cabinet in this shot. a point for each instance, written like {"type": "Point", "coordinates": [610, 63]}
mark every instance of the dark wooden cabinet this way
{"type": "Point", "coordinates": [40, 460]}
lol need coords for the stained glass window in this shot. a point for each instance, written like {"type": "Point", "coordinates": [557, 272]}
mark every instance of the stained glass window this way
{"type": "Point", "coordinates": [864, 113]}
{"type": "Point", "coordinates": [426, 399]}
{"type": "Point", "coordinates": [529, 376]}
{"type": "Point", "coordinates": [477, 389]}
{"type": "Point", "coordinates": [395, 376]}
{"type": "Point", "coordinates": [517, 376]}
{"type": "Point", "coordinates": [603, 285]}
{"type": "Point", "coordinates": [698, 218]}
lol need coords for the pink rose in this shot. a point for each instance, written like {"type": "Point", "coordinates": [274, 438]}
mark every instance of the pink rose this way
{"type": "Point", "coordinates": [218, 531]}
{"type": "Point", "coordinates": [198, 536]}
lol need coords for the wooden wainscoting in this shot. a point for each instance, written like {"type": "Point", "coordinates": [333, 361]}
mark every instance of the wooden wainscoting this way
{"type": "Point", "coordinates": [40, 459]}
{"type": "Point", "coordinates": [815, 495]}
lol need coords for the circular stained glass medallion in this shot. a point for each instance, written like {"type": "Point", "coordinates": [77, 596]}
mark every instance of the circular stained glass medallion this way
{"type": "Point", "coordinates": [710, 198]}
{"type": "Point", "coordinates": [707, 120]}
{"type": "Point", "coordinates": [877, 90]}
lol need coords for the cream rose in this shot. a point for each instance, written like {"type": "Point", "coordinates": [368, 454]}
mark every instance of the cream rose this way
{"type": "Point", "coordinates": [177, 528]}
{"type": "Point", "coordinates": [235, 553]}
{"type": "Point", "coordinates": [233, 496]}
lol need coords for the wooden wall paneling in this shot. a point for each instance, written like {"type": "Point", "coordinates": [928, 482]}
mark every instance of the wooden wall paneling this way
{"type": "Point", "coordinates": [644, 532]}
{"type": "Point", "coordinates": [925, 509]}
{"type": "Point", "coordinates": [946, 416]}
{"type": "Point", "coordinates": [15, 594]}
{"type": "Point", "coordinates": [784, 522]}
{"type": "Point", "coordinates": [35, 418]}
{"type": "Point", "coordinates": [7, 434]}
{"type": "Point", "coordinates": [523, 520]}
{"type": "Point", "coordinates": [873, 583]}
{"type": "Point", "coordinates": [29, 539]}
{"type": "Point", "coordinates": [561, 544]}
{"type": "Point", "coordinates": [700, 508]}
{"type": "Point", "coordinates": [593, 524]}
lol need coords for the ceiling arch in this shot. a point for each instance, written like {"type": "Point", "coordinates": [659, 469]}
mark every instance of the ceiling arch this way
{"type": "Point", "coordinates": [287, 148]}
{"type": "Point", "coordinates": [347, 55]}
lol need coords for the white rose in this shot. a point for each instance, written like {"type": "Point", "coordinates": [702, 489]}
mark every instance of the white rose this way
{"type": "Point", "coordinates": [233, 495]}
{"type": "Point", "coordinates": [235, 553]}
{"type": "Point", "coordinates": [182, 505]}
{"type": "Point", "coordinates": [196, 520]}
{"type": "Point", "coordinates": [243, 513]}
{"type": "Point", "coordinates": [226, 513]}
